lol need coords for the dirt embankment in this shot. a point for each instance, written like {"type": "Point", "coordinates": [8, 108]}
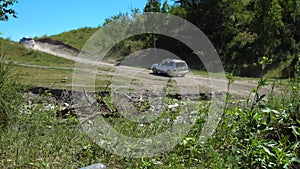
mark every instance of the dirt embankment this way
{"type": "Point", "coordinates": [59, 43]}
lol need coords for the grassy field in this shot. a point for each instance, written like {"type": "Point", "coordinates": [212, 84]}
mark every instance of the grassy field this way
{"type": "Point", "coordinates": [35, 68]}
{"type": "Point", "coordinates": [51, 77]}
{"type": "Point", "coordinates": [252, 134]}
{"type": "Point", "coordinates": [41, 76]}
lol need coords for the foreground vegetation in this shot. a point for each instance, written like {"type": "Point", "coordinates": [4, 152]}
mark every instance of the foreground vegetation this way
{"type": "Point", "coordinates": [253, 133]}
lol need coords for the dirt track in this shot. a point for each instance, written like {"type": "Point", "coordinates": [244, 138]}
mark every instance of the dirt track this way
{"type": "Point", "coordinates": [138, 78]}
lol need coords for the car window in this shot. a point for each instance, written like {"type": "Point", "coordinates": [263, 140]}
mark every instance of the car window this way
{"type": "Point", "coordinates": [180, 64]}
{"type": "Point", "coordinates": [27, 39]}
{"type": "Point", "coordinates": [165, 63]}
{"type": "Point", "coordinates": [170, 63]}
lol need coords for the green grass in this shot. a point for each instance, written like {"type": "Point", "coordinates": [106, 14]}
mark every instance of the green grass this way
{"type": "Point", "coordinates": [33, 73]}
{"type": "Point", "coordinates": [41, 69]}
{"type": "Point", "coordinates": [42, 77]}
{"type": "Point", "coordinates": [51, 77]}
{"type": "Point", "coordinates": [18, 53]}
{"type": "Point", "coordinates": [42, 141]}
{"type": "Point", "coordinates": [76, 38]}
{"type": "Point", "coordinates": [252, 134]}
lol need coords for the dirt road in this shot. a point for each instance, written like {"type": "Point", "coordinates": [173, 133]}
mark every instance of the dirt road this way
{"type": "Point", "coordinates": [143, 79]}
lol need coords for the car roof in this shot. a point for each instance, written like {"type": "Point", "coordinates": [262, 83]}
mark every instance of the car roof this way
{"type": "Point", "coordinates": [27, 38]}
{"type": "Point", "coordinates": [174, 60]}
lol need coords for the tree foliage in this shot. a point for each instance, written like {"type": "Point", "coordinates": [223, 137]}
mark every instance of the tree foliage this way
{"type": "Point", "coordinates": [243, 31]}
{"type": "Point", "coordinates": [6, 10]}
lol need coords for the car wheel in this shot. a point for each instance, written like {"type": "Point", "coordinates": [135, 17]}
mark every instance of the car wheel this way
{"type": "Point", "coordinates": [154, 71]}
{"type": "Point", "coordinates": [169, 73]}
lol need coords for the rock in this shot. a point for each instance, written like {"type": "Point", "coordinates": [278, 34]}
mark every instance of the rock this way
{"type": "Point", "coordinates": [173, 106]}
{"type": "Point", "coordinates": [96, 166]}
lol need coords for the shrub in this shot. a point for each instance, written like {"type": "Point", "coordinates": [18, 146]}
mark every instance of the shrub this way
{"type": "Point", "coordinates": [9, 93]}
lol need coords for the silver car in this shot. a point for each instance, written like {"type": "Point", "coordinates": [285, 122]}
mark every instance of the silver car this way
{"type": "Point", "coordinates": [27, 41]}
{"type": "Point", "coordinates": [171, 67]}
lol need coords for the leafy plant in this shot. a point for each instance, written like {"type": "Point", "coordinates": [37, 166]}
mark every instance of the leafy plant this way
{"type": "Point", "coordinates": [9, 93]}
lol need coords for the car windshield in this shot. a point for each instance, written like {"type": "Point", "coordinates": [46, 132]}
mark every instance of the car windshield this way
{"type": "Point", "coordinates": [180, 64]}
{"type": "Point", "coordinates": [27, 39]}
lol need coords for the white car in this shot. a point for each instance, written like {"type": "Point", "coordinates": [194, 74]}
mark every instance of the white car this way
{"type": "Point", "coordinates": [171, 67]}
{"type": "Point", "coordinates": [27, 41]}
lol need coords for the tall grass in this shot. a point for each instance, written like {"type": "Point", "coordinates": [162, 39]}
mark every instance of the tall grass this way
{"type": "Point", "coordinates": [261, 132]}
{"type": "Point", "coordinates": [9, 94]}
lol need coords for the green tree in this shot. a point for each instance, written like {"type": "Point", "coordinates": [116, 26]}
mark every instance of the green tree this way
{"type": "Point", "coordinates": [243, 31]}
{"type": "Point", "coordinates": [152, 6]}
{"type": "Point", "coordinates": [188, 9]}
{"type": "Point", "coordinates": [236, 37]}
{"type": "Point", "coordinates": [290, 35]}
{"type": "Point", "coordinates": [6, 10]}
{"type": "Point", "coordinates": [268, 25]}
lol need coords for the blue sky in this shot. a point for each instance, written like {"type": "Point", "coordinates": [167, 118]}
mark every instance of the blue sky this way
{"type": "Point", "coordinates": [48, 17]}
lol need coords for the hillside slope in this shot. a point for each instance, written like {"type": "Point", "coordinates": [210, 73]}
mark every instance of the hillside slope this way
{"type": "Point", "coordinates": [75, 38]}
{"type": "Point", "coordinates": [15, 52]}
{"type": "Point", "coordinates": [35, 68]}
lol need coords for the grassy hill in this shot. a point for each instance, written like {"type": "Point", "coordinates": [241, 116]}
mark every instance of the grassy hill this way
{"type": "Point", "coordinates": [34, 67]}
{"type": "Point", "coordinates": [16, 52]}
{"type": "Point", "coordinates": [41, 69]}
{"type": "Point", "coordinates": [75, 38]}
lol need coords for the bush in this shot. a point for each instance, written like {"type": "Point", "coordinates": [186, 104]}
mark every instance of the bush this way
{"type": "Point", "coordinates": [261, 133]}
{"type": "Point", "coordinates": [10, 96]}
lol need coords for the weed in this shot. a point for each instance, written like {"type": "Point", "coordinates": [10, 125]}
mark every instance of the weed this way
{"type": "Point", "coordinates": [9, 96]}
